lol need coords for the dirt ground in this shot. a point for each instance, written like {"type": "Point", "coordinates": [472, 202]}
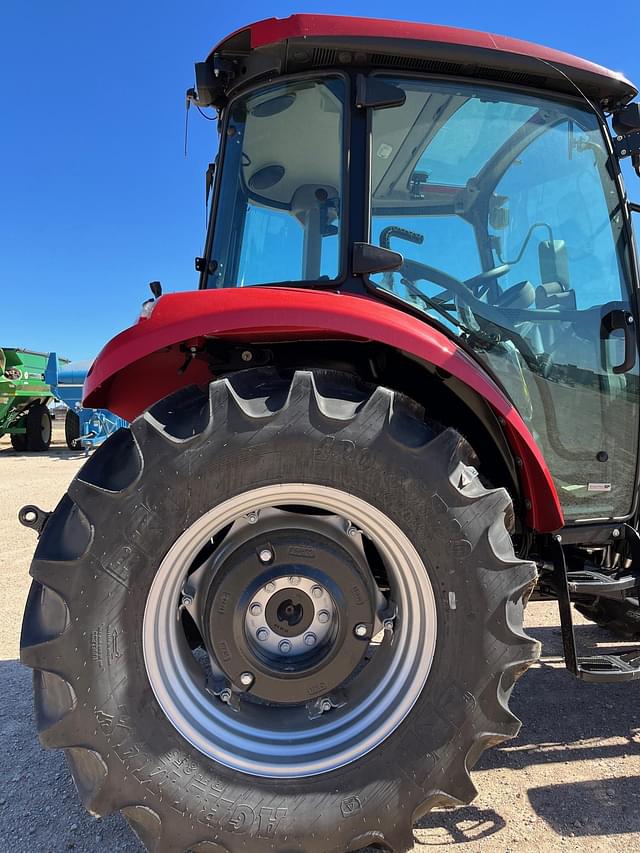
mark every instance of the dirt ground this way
{"type": "Point", "coordinates": [570, 781]}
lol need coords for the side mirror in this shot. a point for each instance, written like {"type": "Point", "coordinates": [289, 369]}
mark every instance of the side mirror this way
{"type": "Point", "coordinates": [626, 124]}
{"type": "Point", "coordinates": [627, 120]}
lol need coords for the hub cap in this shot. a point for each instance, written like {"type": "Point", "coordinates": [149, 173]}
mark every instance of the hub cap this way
{"type": "Point", "coordinates": [290, 616]}
{"type": "Point", "coordinates": [314, 626]}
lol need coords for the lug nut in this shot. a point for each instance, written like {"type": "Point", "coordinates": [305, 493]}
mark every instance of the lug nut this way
{"type": "Point", "coordinates": [323, 617]}
{"type": "Point", "coordinates": [309, 639]}
{"type": "Point", "coordinates": [360, 630]}
{"type": "Point", "coordinates": [284, 646]}
{"type": "Point", "coordinates": [266, 555]}
{"type": "Point", "coordinates": [246, 679]}
{"type": "Point", "coordinates": [252, 517]}
{"type": "Point", "coordinates": [255, 609]}
{"type": "Point", "coordinates": [262, 634]}
{"type": "Point", "coordinates": [270, 587]}
{"type": "Point", "coordinates": [316, 592]}
{"type": "Point", "coordinates": [294, 581]}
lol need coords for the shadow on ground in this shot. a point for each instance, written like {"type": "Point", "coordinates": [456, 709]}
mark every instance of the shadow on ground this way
{"type": "Point", "coordinates": [58, 453]}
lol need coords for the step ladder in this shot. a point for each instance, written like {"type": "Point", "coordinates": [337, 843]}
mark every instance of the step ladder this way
{"type": "Point", "coordinates": [600, 668]}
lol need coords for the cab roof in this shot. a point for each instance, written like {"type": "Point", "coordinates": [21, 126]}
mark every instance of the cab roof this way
{"type": "Point", "coordinates": [299, 42]}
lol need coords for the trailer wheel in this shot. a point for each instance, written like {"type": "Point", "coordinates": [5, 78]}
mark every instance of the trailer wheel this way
{"type": "Point", "coordinates": [38, 424]}
{"type": "Point", "coordinates": [619, 617]}
{"type": "Point", "coordinates": [281, 615]}
{"type": "Point", "coordinates": [19, 442]}
{"type": "Point", "coordinates": [72, 429]}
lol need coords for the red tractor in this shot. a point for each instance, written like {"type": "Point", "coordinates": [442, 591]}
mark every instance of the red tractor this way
{"type": "Point", "coordinates": [284, 610]}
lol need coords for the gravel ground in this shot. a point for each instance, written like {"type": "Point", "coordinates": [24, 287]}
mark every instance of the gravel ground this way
{"type": "Point", "coordinates": [570, 781]}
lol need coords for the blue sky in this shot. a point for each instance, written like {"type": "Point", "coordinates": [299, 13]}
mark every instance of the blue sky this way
{"type": "Point", "coordinates": [96, 198]}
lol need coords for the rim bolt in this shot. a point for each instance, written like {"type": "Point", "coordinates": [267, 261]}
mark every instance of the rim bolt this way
{"type": "Point", "coordinates": [316, 592]}
{"type": "Point", "coordinates": [352, 531]}
{"type": "Point", "coordinates": [360, 630]}
{"type": "Point", "coordinates": [252, 517]}
{"type": "Point", "coordinates": [246, 679]}
{"type": "Point", "coordinates": [270, 587]}
{"type": "Point", "coordinates": [187, 600]}
{"type": "Point", "coordinates": [388, 624]}
{"type": "Point", "coordinates": [323, 617]}
{"type": "Point", "coordinates": [255, 609]}
{"type": "Point", "coordinates": [294, 581]}
{"type": "Point", "coordinates": [266, 555]}
{"type": "Point", "coordinates": [309, 639]}
{"type": "Point", "coordinates": [262, 634]}
{"type": "Point", "coordinates": [225, 695]}
{"type": "Point", "coordinates": [284, 646]}
{"type": "Point", "coordinates": [325, 705]}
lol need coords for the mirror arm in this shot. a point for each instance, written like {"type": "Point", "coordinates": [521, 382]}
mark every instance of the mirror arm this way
{"type": "Point", "coordinates": [634, 207]}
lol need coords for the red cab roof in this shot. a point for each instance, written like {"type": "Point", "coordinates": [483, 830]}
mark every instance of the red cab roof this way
{"type": "Point", "coordinates": [428, 40]}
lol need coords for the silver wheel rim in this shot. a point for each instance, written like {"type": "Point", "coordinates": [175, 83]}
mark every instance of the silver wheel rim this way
{"type": "Point", "coordinates": [287, 744]}
{"type": "Point", "coordinates": [45, 427]}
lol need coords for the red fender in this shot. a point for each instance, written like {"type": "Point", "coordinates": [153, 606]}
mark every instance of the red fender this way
{"type": "Point", "coordinates": [139, 366]}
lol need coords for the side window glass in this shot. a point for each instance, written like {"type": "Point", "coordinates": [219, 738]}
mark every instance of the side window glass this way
{"type": "Point", "coordinates": [552, 196]}
{"type": "Point", "coordinates": [265, 228]}
{"type": "Point", "coordinates": [279, 210]}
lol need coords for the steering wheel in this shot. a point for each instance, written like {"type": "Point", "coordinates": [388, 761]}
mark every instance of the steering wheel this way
{"type": "Point", "coordinates": [486, 278]}
{"type": "Point", "coordinates": [412, 271]}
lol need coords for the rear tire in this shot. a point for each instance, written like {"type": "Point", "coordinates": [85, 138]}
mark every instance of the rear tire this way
{"type": "Point", "coordinates": [85, 626]}
{"type": "Point", "coordinates": [72, 429]}
{"type": "Point", "coordinates": [38, 424]}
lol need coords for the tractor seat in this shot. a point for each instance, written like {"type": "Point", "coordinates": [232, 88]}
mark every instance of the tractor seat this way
{"type": "Point", "coordinates": [521, 295]}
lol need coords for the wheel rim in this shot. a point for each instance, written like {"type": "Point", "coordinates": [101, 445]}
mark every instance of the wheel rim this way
{"type": "Point", "coordinates": [289, 741]}
{"type": "Point", "coordinates": [45, 428]}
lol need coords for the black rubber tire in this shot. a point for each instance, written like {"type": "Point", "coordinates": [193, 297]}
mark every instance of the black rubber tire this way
{"type": "Point", "coordinates": [72, 429]}
{"type": "Point", "coordinates": [100, 550]}
{"type": "Point", "coordinates": [19, 442]}
{"type": "Point", "coordinates": [620, 617]}
{"type": "Point", "coordinates": [39, 428]}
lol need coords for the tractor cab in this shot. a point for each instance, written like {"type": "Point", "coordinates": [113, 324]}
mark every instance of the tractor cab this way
{"type": "Point", "coordinates": [483, 195]}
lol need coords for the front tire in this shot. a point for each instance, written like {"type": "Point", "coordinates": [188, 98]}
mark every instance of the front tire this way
{"type": "Point", "coordinates": [622, 618]}
{"type": "Point", "coordinates": [137, 507]}
{"type": "Point", "coordinates": [72, 429]}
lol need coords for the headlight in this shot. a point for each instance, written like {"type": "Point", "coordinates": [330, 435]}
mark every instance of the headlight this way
{"type": "Point", "coordinates": [13, 373]}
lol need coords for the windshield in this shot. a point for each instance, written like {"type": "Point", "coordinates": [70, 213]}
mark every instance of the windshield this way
{"type": "Point", "coordinates": [280, 197]}
{"type": "Point", "coordinates": [510, 224]}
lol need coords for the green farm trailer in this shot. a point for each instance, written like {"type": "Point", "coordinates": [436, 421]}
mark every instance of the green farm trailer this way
{"type": "Point", "coordinates": [23, 399]}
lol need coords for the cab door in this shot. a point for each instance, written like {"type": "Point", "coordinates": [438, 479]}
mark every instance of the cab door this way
{"type": "Point", "coordinates": [564, 230]}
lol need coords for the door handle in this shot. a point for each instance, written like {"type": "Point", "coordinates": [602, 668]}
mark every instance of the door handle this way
{"type": "Point", "coordinates": [619, 319]}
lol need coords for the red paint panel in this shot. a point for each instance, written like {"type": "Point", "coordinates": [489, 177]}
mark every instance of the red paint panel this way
{"type": "Point", "coordinates": [273, 30]}
{"type": "Point", "coordinates": [135, 368]}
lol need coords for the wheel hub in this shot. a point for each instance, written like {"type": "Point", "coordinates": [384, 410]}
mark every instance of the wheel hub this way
{"type": "Point", "coordinates": [290, 619]}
